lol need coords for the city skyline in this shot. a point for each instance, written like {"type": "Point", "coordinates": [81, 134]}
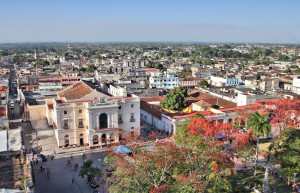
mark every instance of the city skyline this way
{"type": "Point", "coordinates": [135, 21]}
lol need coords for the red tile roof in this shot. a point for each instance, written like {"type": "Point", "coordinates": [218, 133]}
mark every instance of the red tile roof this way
{"type": "Point", "coordinates": [3, 89]}
{"type": "Point", "coordinates": [240, 107]}
{"type": "Point", "coordinates": [76, 91]}
{"type": "Point", "coordinates": [151, 109]}
{"type": "Point", "coordinates": [196, 95]}
{"type": "Point", "coordinates": [152, 99]}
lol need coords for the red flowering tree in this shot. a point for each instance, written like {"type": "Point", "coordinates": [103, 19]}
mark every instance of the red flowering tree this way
{"type": "Point", "coordinates": [283, 112]}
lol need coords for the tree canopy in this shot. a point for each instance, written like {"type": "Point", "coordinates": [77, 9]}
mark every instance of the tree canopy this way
{"type": "Point", "coordinates": [175, 99]}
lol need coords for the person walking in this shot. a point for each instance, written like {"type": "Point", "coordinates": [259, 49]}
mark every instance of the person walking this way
{"type": "Point", "coordinates": [54, 152]}
{"type": "Point", "coordinates": [44, 167]}
{"type": "Point", "coordinates": [71, 167]}
{"type": "Point", "coordinates": [72, 180]}
{"type": "Point", "coordinates": [41, 168]}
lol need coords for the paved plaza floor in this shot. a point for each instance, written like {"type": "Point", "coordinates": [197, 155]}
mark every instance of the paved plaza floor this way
{"type": "Point", "coordinates": [60, 179]}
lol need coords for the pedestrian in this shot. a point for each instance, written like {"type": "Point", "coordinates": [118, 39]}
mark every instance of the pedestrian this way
{"type": "Point", "coordinates": [41, 168]}
{"type": "Point", "coordinates": [72, 180]}
{"type": "Point", "coordinates": [54, 152]}
{"type": "Point", "coordinates": [37, 161]}
{"type": "Point", "coordinates": [44, 167]}
{"type": "Point", "coordinates": [71, 166]}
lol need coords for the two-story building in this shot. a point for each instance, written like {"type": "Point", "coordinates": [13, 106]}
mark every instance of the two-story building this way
{"type": "Point", "coordinates": [86, 115]}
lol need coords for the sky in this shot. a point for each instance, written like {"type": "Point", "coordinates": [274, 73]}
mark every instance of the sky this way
{"type": "Point", "coordinates": [248, 21]}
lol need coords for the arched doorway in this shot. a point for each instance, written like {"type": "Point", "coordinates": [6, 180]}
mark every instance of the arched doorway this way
{"type": "Point", "coordinates": [229, 121]}
{"type": "Point", "coordinates": [103, 120]}
{"type": "Point", "coordinates": [95, 140]}
{"type": "Point", "coordinates": [67, 141]}
{"type": "Point", "coordinates": [103, 138]}
{"type": "Point", "coordinates": [112, 138]}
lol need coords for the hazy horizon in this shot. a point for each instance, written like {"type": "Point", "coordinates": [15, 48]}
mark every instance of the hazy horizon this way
{"type": "Point", "coordinates": [232, 21]}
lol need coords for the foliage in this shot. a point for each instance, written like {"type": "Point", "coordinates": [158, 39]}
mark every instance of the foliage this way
{"type": "Point", "coordinates": [155, 64]}
{"type": "Point", "coordinates": [187, 70]}
{"type": "Point", "coordinates": [203, 83]}
{"type": "Point", "coordinates": [288, 70]}
{"type": "Point", "coordinates": [260, 125]}
{"type": "Point", "coordinates": [91, 68]}
{"type": "Point", "coordinates": [247, 154]}
{"type": "Point", "coordinates": [42, 62]}
{"type": "Point", "coordinates": [283, 112]}
{"type": "Point", "coordinates": [283, 57]}
{"type": "Point", "coordinates": [88, 170]}
{"type": "Point", "coordinates": [287, 148]}
{"type": "Point", "coordinates": [56, 62]}
{"type": "Point", "coordinates": [197, 163]}
{"type": "Point", "coordinates": [175, 99]}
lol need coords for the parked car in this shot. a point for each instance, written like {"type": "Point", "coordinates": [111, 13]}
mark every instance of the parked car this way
{"type": "Point", "coordinates": [42, 157]}
{"type": "Point", "coordinates": [12, 104]}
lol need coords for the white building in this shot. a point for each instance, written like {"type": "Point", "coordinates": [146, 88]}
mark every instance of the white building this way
{"type": "Point", "coordinates": [220, 81]}
{"type": "Point", "coordinates": [296, 85]}
{"type": "Point", "coordinates": [85, 115]}
{"type": "Point", "coordinates": [168, 82]}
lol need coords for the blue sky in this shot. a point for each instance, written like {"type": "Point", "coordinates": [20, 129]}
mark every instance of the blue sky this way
{"type": "Point", "coordinates": [273, 21]}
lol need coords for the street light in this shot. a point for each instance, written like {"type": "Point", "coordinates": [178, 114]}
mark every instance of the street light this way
{"type": "Point", "coordinates": [294, 181]}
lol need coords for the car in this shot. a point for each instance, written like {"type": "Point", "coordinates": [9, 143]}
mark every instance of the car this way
{"type": "Point", "coordinates": [12, 104]}
{"type": "Point", "coordinates": [42, 157]}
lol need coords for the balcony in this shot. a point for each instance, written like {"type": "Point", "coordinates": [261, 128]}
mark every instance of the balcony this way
{"type": "Point", "coordinates": [132, 119]}
{"type": "Point", "coordinates": [120, 121]}
{"type": "Point", "coordinates": [80, 126]}
{"type": "Point", "coordinates": [65, 127]}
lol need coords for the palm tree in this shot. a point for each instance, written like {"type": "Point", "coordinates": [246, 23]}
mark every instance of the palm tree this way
{"type": "Point", "coordinates": [261, 126]}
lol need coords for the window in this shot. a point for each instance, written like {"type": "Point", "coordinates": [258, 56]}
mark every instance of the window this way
{"type": "Point", "coordinates": [132, 117]}
{"type": "Point", "coordinates": [66, 124]}
{"type": "Point", "coordinates": [120, 117]}
{"type": "Point", "coordinates": [131, 105]}
{"type": "Point", "coordinates": [132, 127]}
{"type": "Point", "coordinates": [120, 107]}
{"type": "Point", "coordinates": [65, 112]}
{"type": "Point", "coordinates": [80, 111]}
{"type": "Point", "coordinates": [80, 122]}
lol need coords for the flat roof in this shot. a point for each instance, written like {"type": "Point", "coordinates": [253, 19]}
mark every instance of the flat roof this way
{"type": "Point", "coordinates": [3, 141]}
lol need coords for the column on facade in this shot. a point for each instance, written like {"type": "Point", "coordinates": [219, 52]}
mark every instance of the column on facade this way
{"type": "Point", "coordinates": [174, 127]}
{"type": "Point", "coordinates": [116, 137]}
{"type": "Point", "coordinates": [90, 119]}
{"type": "Point", "coordinates": [108, 139]}
{"type": "Point", "coordinates": [100, 141]}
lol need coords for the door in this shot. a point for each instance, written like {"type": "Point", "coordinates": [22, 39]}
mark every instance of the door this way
{"type": "Point", "coordinates": [81, 141]}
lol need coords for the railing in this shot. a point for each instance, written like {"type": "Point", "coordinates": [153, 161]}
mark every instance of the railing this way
{"type": "Point", "coordinates": [132, 120]}
{"type": "Point", "coordinates": [80, 126]}
{"type": "Point", "coordinates": [66, 127]}
{"type": "Point", "coordinates": [120, 121]}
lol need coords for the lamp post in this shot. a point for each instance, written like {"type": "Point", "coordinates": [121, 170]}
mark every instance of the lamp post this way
{"type": "Point", "coordinates": [294, 181]}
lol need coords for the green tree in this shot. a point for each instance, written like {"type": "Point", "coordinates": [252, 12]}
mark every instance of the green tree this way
{"type": "Point", "coordinates": [261, 126]}
{"type": "Point", "coordinates": [287, 148]}
{"type": "Point", "coordinates": [288, 70]}
{"type": "Point", "coordinates": [82, 69]}
{"type": "Point", "coordinates": [88, 170]}
{"type": "Point", "coordinates": [203, 83]}
{"type": "Point", "coordinates": [175, 99]}
{"type": "Point", "coordinates": [42, 62]}
{"type": "Point", "coordinates": [56, 62]}
{"type": "Point", "coordinates": [91, 68]}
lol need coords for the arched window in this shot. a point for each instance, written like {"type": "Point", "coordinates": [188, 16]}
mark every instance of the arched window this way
{"type": "Point", "coordinates": [103, 120]}
{"type": "Point", "coordinates": [95, 139]}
